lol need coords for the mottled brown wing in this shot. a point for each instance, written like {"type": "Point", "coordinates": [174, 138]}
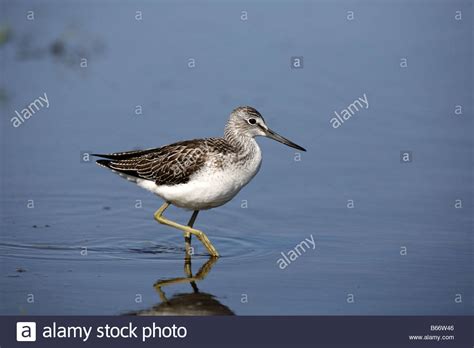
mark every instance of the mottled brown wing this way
{"type": "Point", "coordinates": [169, 165]}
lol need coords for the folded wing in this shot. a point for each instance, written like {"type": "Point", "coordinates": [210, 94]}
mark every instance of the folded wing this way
{"type": "Point", "coordinates": [169, 165]}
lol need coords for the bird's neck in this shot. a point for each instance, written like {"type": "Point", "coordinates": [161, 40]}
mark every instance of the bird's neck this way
{"type": "Point", "coordinates": [243, 144]}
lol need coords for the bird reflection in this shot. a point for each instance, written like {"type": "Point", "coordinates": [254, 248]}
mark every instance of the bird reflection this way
{"type": "Point", "coordinates": [193, 303]}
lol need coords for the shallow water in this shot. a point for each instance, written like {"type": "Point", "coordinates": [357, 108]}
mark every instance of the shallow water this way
{"type": "Point", "coordinates": [90, 244]}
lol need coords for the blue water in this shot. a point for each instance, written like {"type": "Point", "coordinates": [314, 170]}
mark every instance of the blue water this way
{"type": "Point", "coordinates": [90, 244]}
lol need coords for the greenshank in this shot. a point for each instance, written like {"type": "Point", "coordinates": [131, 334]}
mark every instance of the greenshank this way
{"type": "Point", "coordinates": [198, 174]}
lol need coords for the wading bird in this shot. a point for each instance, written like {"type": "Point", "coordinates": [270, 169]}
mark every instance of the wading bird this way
{"type": "Point", "coordinates": [198, 174]}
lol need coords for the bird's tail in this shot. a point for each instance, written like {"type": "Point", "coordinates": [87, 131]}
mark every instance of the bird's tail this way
{"type": "Point", "coordinates": [104, 163]}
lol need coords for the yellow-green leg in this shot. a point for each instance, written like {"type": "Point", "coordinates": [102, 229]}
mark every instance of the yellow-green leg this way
{"type": "Point", "coordinates": [188, 231]}
{"type": "Point", "coordinates": [187, 235]}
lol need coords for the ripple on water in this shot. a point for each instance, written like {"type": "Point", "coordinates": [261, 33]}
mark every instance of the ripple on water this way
{"type": "Point", "coordinates": [231, 247]}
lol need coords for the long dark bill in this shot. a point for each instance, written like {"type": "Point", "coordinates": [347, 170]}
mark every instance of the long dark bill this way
{"type": "Point", "coordinates": [275, 136]}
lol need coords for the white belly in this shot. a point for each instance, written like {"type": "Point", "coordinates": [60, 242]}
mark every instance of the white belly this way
{"type": "Point", "coordinates": [210, 188]}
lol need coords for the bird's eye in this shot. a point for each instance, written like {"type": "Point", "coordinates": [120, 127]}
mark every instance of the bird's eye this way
{"type": "Point", "coordinates": [252, 121]}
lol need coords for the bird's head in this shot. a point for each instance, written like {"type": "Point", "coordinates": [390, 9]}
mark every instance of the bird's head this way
{"type": "Point", "coordinates": [247, 121]}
